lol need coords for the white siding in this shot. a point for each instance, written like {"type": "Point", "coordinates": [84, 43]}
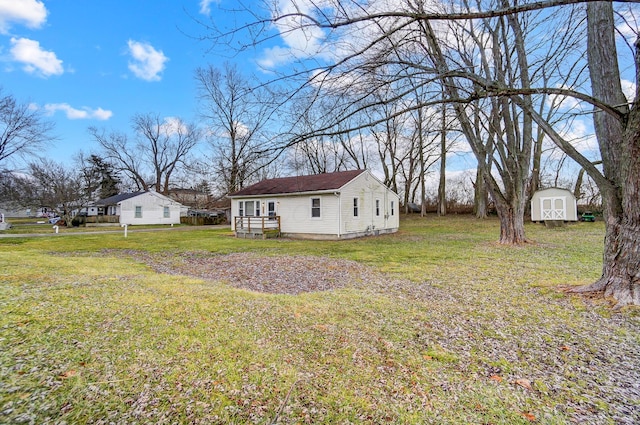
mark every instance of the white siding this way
{"type": "Point", "coordinates": [336, 217]}
{"type": "Point", "coordinates": [367, 189]}
{"type": "Point", "coordinates": [152, 205]}
{"type": "Point", "coordinates": [553, 204]}
{"type": "Point", "coordinates": [295, 214]}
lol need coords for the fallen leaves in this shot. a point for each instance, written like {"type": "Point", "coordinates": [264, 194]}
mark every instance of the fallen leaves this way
{"type": "Point", "coordinates": [68, 374]}
{"type": "Point", "coordinates": [496, 378]}
{"type": "Point", "coordinates": [524, 383]}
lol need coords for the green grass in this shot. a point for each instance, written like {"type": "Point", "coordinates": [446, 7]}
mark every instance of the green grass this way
{"type": "Point", "coordinates": [86, 338]}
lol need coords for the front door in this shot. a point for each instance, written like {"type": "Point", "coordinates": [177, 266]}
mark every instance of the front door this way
{"type": "Point", "coordinates": [271, 208]}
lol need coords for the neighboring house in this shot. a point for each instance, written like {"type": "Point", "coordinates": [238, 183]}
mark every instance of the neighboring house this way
{"type": "Point", "coordinates": [554, 204]}
{"type": "Point", "coordinates": [196, 199]}
{"type": "Point", "coordinates": [339, 205]}
{"type": "Point", "coordinates": [13, 210]}
{"type": "Point", "coordinates": [139, 208]}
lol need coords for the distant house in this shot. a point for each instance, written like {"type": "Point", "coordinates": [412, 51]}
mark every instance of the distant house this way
{"type": "Point", "coordinates": [196, 199]}
{"type": "Point", "coordinates": [138, 208]}
{"type": "Point", "coordinates": [554, 204]}
{"type": "Point", "coordinates": [339, 205]}
{"type": "Point", "coordinates": [11, 209]}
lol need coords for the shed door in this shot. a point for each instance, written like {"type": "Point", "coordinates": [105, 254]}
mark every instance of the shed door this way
{"type": "Point", "coordinates": [553, 208]}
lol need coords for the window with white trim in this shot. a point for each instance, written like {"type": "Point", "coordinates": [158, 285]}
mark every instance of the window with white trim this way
{"type": "Point", "coordinates": [241, 208]}
{"type": "Point", "coordinates": [138, 213]}
{"type": "Point", "coordinates": [315, 207]}
{"type": "Point", "coordinates": [377, 207]}
{"type": "Point", "coordinates": [166, 212]}
{"type": "Point", "coordinates": [249, 208]}
{"type": "Point", "coordinates": [355, 207]}
{"type": "Point", "coordinates": [393, 211]}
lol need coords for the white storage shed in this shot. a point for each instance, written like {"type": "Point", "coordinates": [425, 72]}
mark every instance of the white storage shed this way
{"type": "Point", "coordinates": [554, 204]}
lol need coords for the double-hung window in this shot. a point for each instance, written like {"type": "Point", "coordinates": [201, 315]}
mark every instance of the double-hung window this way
{"type": "Point", "coordinates": [166, 213]}
{"type": "Point", "coordinates": [377, 207]}
{"type": "Point", "coordinates": [355, 207]}
{"type": "Point", "coordinates": [315, 207]}
{"type": "Point", "coordinates": [138, 213]}
{"type": "Point", "coordinates": [249, 208]}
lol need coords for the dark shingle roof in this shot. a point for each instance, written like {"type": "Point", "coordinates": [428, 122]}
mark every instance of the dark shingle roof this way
{"type": "Point", "coordinates": [113, 200]}
{"type": "Point", "coordinates": [313, 183]}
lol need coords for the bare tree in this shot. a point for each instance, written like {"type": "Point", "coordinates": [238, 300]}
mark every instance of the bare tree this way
{"type": "Point", "coordinates": [237, 115]}
{"type": "Point", "coordinates": [321, 155]}
{"type": "Point", "coordinates": [53, 185]}
{"type": "Point", "coordinates": [160, 147]}
{"type": "Point", "coordinates": [619, 140]}
{"type": "Point", "coordinates": [23, 129]}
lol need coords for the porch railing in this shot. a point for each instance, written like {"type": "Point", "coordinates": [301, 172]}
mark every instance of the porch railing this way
{"type": "Point", "coordinates": [261, 225]}
{"type": "Point", "coordinates": [101, 219]}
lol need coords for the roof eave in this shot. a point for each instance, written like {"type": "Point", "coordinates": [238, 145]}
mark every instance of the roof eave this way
{"type": "Point", "coordinates": [309, 192]}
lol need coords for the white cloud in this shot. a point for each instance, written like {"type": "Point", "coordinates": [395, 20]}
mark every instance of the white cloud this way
{"type": "Point", "coordinates": [629, 89]}
{"type": "Point", "coordinates": [173, 125]}
{"type": "Point", "coordinates": [31, 13]}
{"type": "Point", "coordinates": [34, 58]}
{"type": "Point", "coordinates": [274, 57]}
{"type": "Point", "coordinates": [205, 6]}
{"type": "Point", "coordinates": [628, 28]}
{"type": "Point", "coordinates": [147, 63]}
{"type": "Point", "coordinates": [301, 37]}
{"type": "Point", "coordinates": [78, 114]}
{"type": "Point", "coordinates": [578, 132]}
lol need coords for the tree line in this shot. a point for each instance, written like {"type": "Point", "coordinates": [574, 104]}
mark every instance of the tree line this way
{"type": "Point", "coordinates": [247, 134]}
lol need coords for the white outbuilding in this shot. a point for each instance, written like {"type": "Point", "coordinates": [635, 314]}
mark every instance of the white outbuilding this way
{"type": "Point", "coordinates": [554, 204]}
{"type": "Point", "coordinates": [340, 205]}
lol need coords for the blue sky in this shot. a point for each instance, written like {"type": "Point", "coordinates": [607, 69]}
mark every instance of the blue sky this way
{"type": "Point", "coordinates": [99, 62]}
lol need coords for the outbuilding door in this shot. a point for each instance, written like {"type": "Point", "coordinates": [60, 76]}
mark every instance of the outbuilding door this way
{"type": "Point", "coordinates": [554, 208]}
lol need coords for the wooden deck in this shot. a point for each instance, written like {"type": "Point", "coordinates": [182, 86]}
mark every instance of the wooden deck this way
{"type": "Point", "coordinates": [257, 227]}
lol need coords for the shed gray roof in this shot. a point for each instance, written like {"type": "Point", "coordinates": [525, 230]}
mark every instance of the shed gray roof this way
{"type": "Point", "coordinates": [298, 184]}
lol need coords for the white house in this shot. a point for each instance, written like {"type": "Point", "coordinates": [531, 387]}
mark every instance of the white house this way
{"type": "Point", "coordinates": [139, 208]}
{"type": "Point", "coordinates": [339, 205]}
{"type": "Point", "coordinates": [554, 204]}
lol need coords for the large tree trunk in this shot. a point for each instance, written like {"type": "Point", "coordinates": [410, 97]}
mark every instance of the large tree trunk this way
{"type": "Point", "coordinates": [480, 201]}
{"type": "Point", "coordinates": [511, 224]}
{"type": "Point", "coordinates": [620, 150]}
{"type": "Point", "coordinates": [510, 136]}
{"type": "Point", "coordinates": [621, 260]}
{"type": "Point", "coordinates": [442, 190]}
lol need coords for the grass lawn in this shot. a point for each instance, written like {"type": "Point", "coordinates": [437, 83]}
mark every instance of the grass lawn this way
{"type": "Point", "coordinates": [454, 328]}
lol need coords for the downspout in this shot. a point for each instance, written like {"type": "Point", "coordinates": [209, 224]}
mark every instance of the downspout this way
{"type": "Point", "coordinates": [385, 210]}
{"type": "Point", "coordinates": [339, 213]}
{"type": "Point", "coordinates": [373, 207]}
